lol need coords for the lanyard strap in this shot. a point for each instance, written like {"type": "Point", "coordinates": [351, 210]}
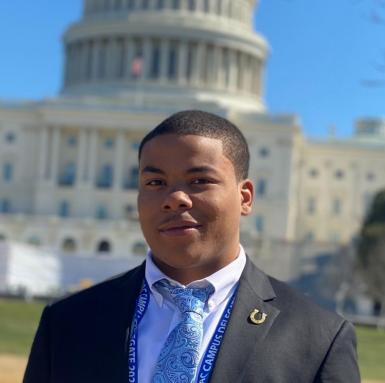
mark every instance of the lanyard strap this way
{"type": "Point", "coordinates": [210, 355]}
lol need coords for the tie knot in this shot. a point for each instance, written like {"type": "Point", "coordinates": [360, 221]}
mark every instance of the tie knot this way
{"type": "Point", "coordinates": [188, 298]}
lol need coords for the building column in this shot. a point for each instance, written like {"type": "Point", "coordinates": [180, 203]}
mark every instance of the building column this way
{"type": "Point", "coordinates": [199, 5]}
{"type": "Point", "coordinates": [92, 157]}
{"type": "Point", "coordinates": [112, 53]}
{"type": "Point", "coordinates": [43, 153]}
{"type": "Point", "coordinates": [55, 150]}
{"type": "Point", "coordinates": [164, 56]}
{"type": "Point", "coordinates": [226, 8]}
{"type": "Point", "coordinates": [146, 58]}
{"type": "Point", "coordinates": [182, 62]}
{"type": "Point", "coordinates": [81, 157]}
{"type": "Point", "coordinates": [198, 64]}
{"type": "Point", "coordinates": [233, 70]}
{"type": "Point", "coordinates": [244, 70]}
{"type": "Point", "coordinates": [137, 4]}
{"type": "Point", "coordinates": [67, 78]}
{"type": "Point", "coordinates": [129, 52]}
{"type": "Point", "coordinates": [256, 75]}
{"type": "Point", "coordinates": [95, 55]}
{"type": "Point", "coordinates": [218, 67]}
{"type": "Point", "coordinates": [119, 160]}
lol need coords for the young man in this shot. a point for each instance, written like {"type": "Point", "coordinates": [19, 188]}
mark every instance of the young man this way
{"type": "Point", "coordinates": [198, 310]}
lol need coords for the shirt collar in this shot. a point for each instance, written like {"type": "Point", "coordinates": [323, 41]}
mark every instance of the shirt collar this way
{"type": "Point", "coordinates": [222, 280]}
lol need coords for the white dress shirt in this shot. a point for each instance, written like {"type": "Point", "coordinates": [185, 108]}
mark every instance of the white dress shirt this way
{"type": "Point", "coordinates": [162, 315]}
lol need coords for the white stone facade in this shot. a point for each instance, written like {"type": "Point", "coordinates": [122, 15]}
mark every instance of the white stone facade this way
{"type": "Point", "coordinates": [68, 165]}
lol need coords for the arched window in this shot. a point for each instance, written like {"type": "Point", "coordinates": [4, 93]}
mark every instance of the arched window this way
{"type": "Point", "coordinates": [106, 175]}
{"type": "Point", "coordinates": [101, 212]}
{"type": "Point", "coordinates": [64, 209]}
{"type": "Point", "coordinates": [139, 248]}
{"type": "Point", "coordinates": [5, 206]}
{"type": "Point", "coordinates": [68, 175]}
{"type": "Point", "coordinates": [7, 172]}
{"type": "Point", "coordinates": [34, 240]}
{"type": "Point", "coordinates": [104, 246]}
{"type": "Point", "coordinates": [69, 245]}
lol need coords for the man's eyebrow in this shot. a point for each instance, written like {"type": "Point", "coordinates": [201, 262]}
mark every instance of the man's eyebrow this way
{"type": "Point", "coordinates": [152, 169]}
{"type": "Point", "coordinates": [201, 169]}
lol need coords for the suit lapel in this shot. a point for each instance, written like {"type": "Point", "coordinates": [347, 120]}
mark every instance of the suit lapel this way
{"type": "Point", "coordinates": [242, 337]}
{"type": "Point", "coordinates": [120, 313]}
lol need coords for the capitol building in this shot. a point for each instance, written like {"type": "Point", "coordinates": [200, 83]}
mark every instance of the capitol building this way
{"type": "Point", "coordinates": [68, 165]}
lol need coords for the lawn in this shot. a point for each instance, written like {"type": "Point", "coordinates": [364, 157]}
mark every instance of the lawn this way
{"type": "Point", "coordinates": [371, 352]}
{"type": "Point", "coordinates": [18, 321]}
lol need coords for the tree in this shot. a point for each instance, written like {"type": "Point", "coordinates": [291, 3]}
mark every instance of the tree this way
{"type": "Point", "coordinates": [371, 250]}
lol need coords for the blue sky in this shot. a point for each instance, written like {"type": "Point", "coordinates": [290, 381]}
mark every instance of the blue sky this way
{"type": "Point", "coordinates": [323, 56]}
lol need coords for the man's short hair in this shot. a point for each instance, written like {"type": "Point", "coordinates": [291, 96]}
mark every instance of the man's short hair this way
{"type": "Point", "coordinates": [199, 123]}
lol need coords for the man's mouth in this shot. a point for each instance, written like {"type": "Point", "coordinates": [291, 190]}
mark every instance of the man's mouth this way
{"type": "Point", "coordinates": [179, 228]}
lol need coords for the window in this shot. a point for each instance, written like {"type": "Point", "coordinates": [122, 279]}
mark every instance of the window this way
{"type": "Point", "coordinates": [10, 137]}
{"type": "Point", "coordinates": [139, 248]}
{"type": "Point", "coordinates": [370, 176]}
{"type": "Point", "coordinates": [313, 173]}
{"type": "Point", "coordinates": [64, 209]}
{"type": "Point", "coordinates": [34, 240]}
{"type": "Point", "coordinates": [337, 206]}
{"type": "Point", "coordinates": [339, 174]}
{"type": "Point", "coordinates": [132, 181]}
{"type": "Point", "coordinates": [160, 4]}
{"type": "Point", "coordinates": [264, 152]}
{"type": "Point", "coordinates": [311, 205]}
{"type": "Point", "coordinates": [104, 246]}
{"type": "Point", "coordinates": [175, 4]}
{"type": "Point", "coordinates": [101, 212]}
{"type": "Point", "coordinates": [155, 61]}
{"type": "Point", "coordinates": [3, 237]}
{"type": "Point", "coordinates": [69, 245]}
{"type": "Point", "coordinates": [106, 176]}
{"type": "Point", "coordinates": [309, 237]}
{"type": "Point", "coordinates": [261, 188]}
{"type": "Point", "coordinates": [7, 172]}
{"type": "Point", "coordinates": [190, 57]}
{"type": "Point", "coordinates": [72, 141]}
{"type": "Point", "coordinates": [259, 223]}
{"type": "Point", "coordinates": [5, 206]}
{"type": "Point", "coordinates": [109, 143]}
{"type": "Point", "coordinates": [191, 5]}
{"type": "Point", "coordinates": [68, 175]}
{"type": "Point", "coordinates": [206, 6]}
{"type": "Point", "coordinates": [172, 63]}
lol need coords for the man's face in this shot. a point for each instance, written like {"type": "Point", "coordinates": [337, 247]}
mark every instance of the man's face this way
{"type": "Point", "coordinates": [190, 203]}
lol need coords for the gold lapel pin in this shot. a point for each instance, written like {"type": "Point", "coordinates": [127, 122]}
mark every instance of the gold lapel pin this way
{"type": "Point", "coordinates": [257, 317]}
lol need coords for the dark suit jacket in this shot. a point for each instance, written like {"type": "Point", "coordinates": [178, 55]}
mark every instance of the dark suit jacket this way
{"type": "Point", "coordinates": [83, 338]}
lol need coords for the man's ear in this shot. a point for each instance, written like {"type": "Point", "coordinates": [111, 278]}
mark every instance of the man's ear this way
{"type": "Point", "coordinates": [247, 196]}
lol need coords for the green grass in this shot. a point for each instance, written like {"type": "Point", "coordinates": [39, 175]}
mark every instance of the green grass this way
{"type": "Point", "coordinates": [19, 319]}
{"type": "Point", "coordinates": [371, 352]}
{"type": "Point", "coordinates": [18, 322]}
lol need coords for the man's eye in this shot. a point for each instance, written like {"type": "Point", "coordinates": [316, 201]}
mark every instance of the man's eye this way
{"type": "Point", "coordinates": [154, 183]}
{"type": "Point", "coordinates": [200, 181]}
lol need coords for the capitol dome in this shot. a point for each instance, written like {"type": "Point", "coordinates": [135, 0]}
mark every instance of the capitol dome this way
{"type": "Point", "coordinates": [164, 53]}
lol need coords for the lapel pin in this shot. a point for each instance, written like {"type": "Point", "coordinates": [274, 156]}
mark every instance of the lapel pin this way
{"type": "Point", "coordinates": [257, 317]}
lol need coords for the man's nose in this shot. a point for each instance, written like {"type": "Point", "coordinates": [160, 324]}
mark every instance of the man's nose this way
{"type": "Point", "coordinates": [177, 200]}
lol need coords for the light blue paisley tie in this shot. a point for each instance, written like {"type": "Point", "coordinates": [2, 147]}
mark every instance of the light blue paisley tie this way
{"type": "Point", "coordinates": [178, 360]}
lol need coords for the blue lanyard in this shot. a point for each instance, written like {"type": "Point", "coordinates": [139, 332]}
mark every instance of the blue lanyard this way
{"type": "Point", "coordinates": [210, 355]}
{"type": "Point", "coordinates": [140, 309]}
